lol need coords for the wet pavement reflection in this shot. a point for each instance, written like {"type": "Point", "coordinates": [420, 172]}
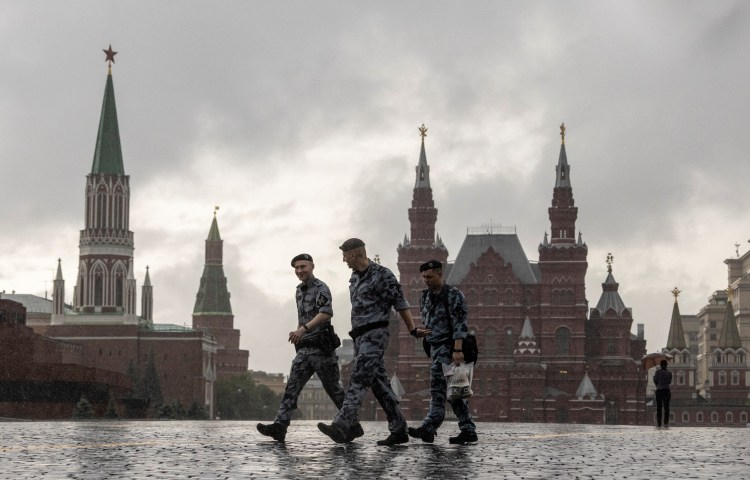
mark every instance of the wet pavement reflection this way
{"type": "Point", "coordinates": [235, 450]}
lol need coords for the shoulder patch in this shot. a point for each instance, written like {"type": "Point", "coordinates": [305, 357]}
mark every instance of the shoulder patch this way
{"type": "Point", "coordinates": [323, 299]}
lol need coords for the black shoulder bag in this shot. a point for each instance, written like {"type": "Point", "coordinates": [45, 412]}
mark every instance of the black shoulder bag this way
{"type": "Point", "coordinates": [468, 345]}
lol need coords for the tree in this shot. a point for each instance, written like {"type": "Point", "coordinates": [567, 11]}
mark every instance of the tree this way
{"type": "Point", "coordinates": [83, 409]}
{"type": "Point", "coordinates": [197, 411]}
{"type": "Point", "coordinates": [151, 386]}
{"type": "Point", "coordinates": [240, 398]}
{"type": "Point", "coordinates": [111, 408]}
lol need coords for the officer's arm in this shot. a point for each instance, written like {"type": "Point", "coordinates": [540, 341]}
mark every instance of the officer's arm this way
{"type": "Point", "coordinates": [318, 319]}
{"type": "Point", "coordinates": [409, 321]}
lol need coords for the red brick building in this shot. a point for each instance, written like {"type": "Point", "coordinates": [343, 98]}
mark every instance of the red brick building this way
{"type": "Point", "coordinates": [103, 318]}
{"type": "Point", "coordinates": [724, 400]}
{"type": "Point", "coordinates": [213, 310]}
{"type": "Point", "coordinates": [542, 358]}
{"type": "Point", "coordinates": [42, 378]}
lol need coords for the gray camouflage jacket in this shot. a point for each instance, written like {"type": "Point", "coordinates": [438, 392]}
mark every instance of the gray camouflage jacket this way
{"type": "Point", "coordinates": [312, 297]}
{"type": "Point", "coordinates": [373, 293]}
{"type": "Point", "coordinates": [434, 316]}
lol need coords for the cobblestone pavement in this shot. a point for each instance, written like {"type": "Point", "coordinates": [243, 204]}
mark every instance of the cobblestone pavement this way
{"type": "Point", "coordinates": [235, 450]}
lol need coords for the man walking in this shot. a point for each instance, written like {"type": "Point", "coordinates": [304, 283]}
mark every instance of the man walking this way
{"type": "Point", "coordinates": [443, 310]}
{"type": "Point", "coordinates": [373, 290]}
{"type": "Point", "coordinates": [316, 352]}
{"type": "Point", "coordinates": [662, 380]}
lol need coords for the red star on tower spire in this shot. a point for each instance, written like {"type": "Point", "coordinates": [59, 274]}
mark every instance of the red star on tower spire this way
{"type": "Point", "coordinates": [110, 55]}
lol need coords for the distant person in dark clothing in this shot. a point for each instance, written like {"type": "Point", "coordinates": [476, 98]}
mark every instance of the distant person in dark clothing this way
{"type": "Point", "coordinates": [662, 380]}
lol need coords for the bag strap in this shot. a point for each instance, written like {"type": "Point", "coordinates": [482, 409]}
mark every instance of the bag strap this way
{"type": "Point", "coordinates": [447, 306]}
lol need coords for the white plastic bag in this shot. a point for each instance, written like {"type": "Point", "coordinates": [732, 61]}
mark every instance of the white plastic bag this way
{"type": "Point", "coordinates": [459, 379]}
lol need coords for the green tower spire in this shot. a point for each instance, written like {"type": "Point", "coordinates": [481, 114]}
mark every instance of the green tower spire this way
{"type": "Point", "coordinates": [108, 153]}
{"type": "Point", "coordinates": [213, 296]}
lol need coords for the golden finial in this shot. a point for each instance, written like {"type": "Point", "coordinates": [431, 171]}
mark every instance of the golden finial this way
{"type": "Point", "coordinates": [676, 292]}
{"type": "Point", "coordinates": [562, 132]}
{"type": "Point", "coordinates": [216, 209]}
{"type": "Point", "coordinates": [422, 131]}
{"type": "Point", "coordinates": [610, 260]}
{"type": "Point", "coordinates": [729, 293]}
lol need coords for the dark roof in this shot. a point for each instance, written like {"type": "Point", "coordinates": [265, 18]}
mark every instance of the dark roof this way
{"type": "Point", "coordinates": [34, 303]}
{"type": "Point", "coordinates": [213, 296]}
{"type": "Point", "coordinates": [108, 153]}
{"type": "Point", "coordinates": [730, 334]}
{"type": "Point", "coordinates": [610, 298]}
{"type": "Point", "coordinates": [676, 337]}
{"type": "Point", "coordinates": [507, 245]}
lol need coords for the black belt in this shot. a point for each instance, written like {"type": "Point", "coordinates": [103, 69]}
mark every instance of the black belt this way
{"type": "Point", "coordinates": [361, 330]}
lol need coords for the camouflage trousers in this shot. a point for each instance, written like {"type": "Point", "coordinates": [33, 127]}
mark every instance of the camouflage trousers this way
{"type": "Point", "coordinates": [439, 393]}
{"type": "Point", "coordinates": [368, 371]}
{"type": "Point", "coordinates": [307, 362]}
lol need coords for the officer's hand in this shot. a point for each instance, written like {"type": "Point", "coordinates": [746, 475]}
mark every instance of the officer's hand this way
{"type": "Point", "coordinates": [423, 332]}
{"type": "Point", "coordinates": [296, 336]}
{"type": "Point", "coordinates": [458, 357]}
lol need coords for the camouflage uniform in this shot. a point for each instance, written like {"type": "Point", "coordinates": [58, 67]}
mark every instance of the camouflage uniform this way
{"type": "Point", "coordinates": [373, 293]}
{"type": "Point", "coordinates": [312, 298]}
{"type": "Point", "coordinates": [432, 309]}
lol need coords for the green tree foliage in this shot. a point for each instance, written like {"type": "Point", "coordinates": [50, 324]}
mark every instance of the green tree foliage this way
{"type": "Point", "coordinates": [197, 411]}
{"type": "Point", "coordinates": [111, 409]}
{"type": "Point", "coordinates": [240, 398]}
{"type": "Point", "coordinates": [83, 409]}
{"type": "Point", "coordinates": [171, 411]}
{"type": "Point", "coordinates": [151, 385]}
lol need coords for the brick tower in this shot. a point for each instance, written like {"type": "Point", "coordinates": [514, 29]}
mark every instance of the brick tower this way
{"type": "Point", "coordinates": [213, 311]}
{"type": "Point", "coordinates": [562, 265]}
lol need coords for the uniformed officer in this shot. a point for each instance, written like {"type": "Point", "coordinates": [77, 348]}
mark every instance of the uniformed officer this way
{"type": "Point", "coordinates": [314, 312]}
{"type": "Point", "coordinates": [443, 310]}
{"type": "Point", "coordinates": [373, 290]}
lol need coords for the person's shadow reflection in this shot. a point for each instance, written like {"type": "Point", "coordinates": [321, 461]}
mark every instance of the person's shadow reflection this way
{"type": "Point", "coordinates": [351, 461]}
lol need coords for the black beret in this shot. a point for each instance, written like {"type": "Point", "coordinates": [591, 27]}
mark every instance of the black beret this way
{"type": "Point", "coordinates": [302, 256]}
{"type": "Point", "coordinates": [351, 244]}
{"type": "Point", "coordinates": [432, 264]}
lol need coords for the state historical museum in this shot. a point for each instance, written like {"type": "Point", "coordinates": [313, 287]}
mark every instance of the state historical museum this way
{"type": "Point", "coordinates": [543, 357]}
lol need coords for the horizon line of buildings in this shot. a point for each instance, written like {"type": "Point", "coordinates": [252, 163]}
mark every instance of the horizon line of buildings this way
{"type": "Point", "coordinates": [545, 355]}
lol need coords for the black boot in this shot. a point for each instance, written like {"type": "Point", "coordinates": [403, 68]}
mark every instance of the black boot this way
{"type": "Point", "coordinates": [395, 439]}
{"type": "Point", "coordinates": [422, 434]}
{"type": "Point", "coordinates": [463, 438]}
{"type": "Point", "coordinates": [276, 431]}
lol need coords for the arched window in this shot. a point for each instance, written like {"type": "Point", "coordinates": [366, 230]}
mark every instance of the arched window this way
{"type": "Point", "coordinates": [699, 417]}
{"type": "Point", "coordinates": [718, 357]}
{"type": "Point", "coordinates": [98, 288]}
{"type": "Point", "coordinates": [562, 341]}
{"type": "Point", "coordinates": [471, 298]}
{"type": "Point", "coordinates": [510, 341]}
{"type": "Point", "coordinates": [722, 377]}
{"type": "Point", "coordinates": [735, 377]}
{"type": "Point", "coordinates": [743, 417]}
{"type": "Point", "coordinates": [119, 289]}
{"type": "Point", "coordinates": [714, 417]}
{"type": "Point", "coordinates": [490, 341]}
{"type": "Point", "coordinates": [101, 207]}
{"type": "Point", "coordinates": [509, 297]}
{"type": "Point", "coordinates": [729, 417]}
{"type": "Point", "coordinates": [685, 417]}
{"type": "Point", "coordinates": [681, 377]}
{"type": "Point", "coordinates": [489, 296]}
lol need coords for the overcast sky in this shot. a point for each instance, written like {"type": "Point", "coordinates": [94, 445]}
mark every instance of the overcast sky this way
{"type": "Point", "coordinates": [299, 119]}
